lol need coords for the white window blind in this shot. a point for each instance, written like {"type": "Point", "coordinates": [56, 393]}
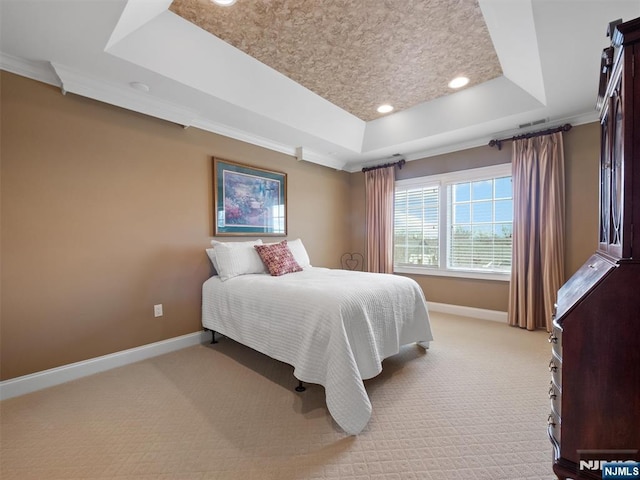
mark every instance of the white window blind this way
{"type": "Point", "coordinates": [458, 224]}
{"type": "Point", "coordinates": [480, 225]}
{"type": "Point", "coordinates": [416, 226]}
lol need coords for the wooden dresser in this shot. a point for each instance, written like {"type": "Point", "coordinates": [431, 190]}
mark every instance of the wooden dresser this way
{"type": "Point", "coordinates": [595, 364]}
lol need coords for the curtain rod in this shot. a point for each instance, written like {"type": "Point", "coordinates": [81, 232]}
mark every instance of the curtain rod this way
{"type": "Point", "coordinates": [399, 163]}
{"type": "Point", "coordinates": [498, 143]}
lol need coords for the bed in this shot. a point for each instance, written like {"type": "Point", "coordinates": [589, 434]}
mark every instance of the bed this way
{"type": "Point", "coordinates": [335, 327]}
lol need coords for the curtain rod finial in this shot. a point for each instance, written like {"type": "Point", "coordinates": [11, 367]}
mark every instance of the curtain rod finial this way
{"type": "Point", "coordinates": [496, 143]}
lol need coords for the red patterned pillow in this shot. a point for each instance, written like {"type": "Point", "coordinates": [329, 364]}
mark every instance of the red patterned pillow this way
{"type": "Point", "coordinates": [278, 258]}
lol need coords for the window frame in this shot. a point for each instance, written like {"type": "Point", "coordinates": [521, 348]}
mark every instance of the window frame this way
{"type": "Point", "coordinates": [443, 181]}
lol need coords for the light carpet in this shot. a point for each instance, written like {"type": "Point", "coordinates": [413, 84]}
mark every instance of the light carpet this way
{"type": "Point", "coordinates": [474, 406]}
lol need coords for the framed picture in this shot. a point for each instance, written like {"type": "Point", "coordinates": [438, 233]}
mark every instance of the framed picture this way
{"type": "Point", "coordinates": [248, 200]}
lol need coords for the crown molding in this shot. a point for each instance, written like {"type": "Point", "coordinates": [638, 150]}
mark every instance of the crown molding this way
{"type": "Point", "coordinates": [72, 81]}
{"type": "Point", "coordinates": [121, 96]}
{"type": "Point", "coordinates": [315, 157]}
{"type": "Point", "coordinates": [40, 71]}
{"type": "Point", "coordinates": [237, 134]}
{"type": "Point", "coordinates": [575, 120]}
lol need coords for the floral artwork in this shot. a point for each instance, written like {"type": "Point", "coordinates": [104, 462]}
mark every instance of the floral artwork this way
{"type": "Point", "coordinates": [248, 200]}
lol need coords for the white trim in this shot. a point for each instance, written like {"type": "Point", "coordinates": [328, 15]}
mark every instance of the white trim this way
{"type": "Point", "coordinates": [97, 89]}
{"type": "Point", "coordinates": [121, 96]}
{"type": "Point", "coordinates": [470, 174]}
{"type": "Point", "coordinates": [479, 313]}
{"type": "Point", "coordinates": [439, 272]}
{"type": "Point", "coordinates": [575, 120]}
{"type": "Point", "coordinates": [55, 376]}
{"type": "Point", "coordinates": [237, 134]}
{"type": "Point", "coordinates": [35, 70]}
{"type": "Point", "coordinates": [442, 182]}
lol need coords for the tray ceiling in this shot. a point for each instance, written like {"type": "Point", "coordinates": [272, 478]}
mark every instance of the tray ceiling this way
{"type": "Point", "coordinates": [304, 77]}
{"type": "Point", "coordinates": [358, 54]}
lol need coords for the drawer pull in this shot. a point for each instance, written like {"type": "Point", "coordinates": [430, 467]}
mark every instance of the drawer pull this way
{"type": "Point", "coordinates": [552, 394]}
{"type": "Point", "coordinates": [550, 420]}
{"type": "Point", "coordinates": [552, 366]}
{"type": "Point", "coordinates": [553, 338]}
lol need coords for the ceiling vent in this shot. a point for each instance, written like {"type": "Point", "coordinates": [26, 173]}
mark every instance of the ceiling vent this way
{"type": "Point", "coordinates": [535, 122]}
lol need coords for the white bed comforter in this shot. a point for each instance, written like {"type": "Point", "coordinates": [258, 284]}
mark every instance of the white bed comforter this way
{"type": "Point", "coordinates": [334, 326]}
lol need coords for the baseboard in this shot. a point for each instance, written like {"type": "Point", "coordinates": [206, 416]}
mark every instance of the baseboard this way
{"type": "Point", "coordinates": [55, 376]}
{"type": "Point", "coordinates": [480, 313]}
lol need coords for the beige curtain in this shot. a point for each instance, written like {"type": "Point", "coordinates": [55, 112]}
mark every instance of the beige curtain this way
{"type": "Point", "coordinates": [538, 230]}
{"type": "Point", "coordinates": [379, 190]}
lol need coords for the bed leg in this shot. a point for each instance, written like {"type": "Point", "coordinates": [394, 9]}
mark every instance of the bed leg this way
{"type": "Point", "coordinates": [300, 387]}
{"type": "Point", "coordinates": [213, 335]}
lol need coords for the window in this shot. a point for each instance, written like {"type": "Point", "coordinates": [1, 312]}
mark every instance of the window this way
{"type": "Point", "coordinates": [457, 224]}
{"type": "Point", "coordinates": [416, 236]}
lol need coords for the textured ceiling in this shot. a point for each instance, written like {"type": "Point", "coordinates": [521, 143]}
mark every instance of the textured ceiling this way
{"type": "Point", "coordinates": [358, 54]}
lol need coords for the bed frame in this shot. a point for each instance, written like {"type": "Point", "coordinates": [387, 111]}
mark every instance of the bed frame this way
{"type": "Point", "coordinates": [299, 388]}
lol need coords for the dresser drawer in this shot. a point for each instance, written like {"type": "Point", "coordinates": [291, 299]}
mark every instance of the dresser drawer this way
{"type": "Point", "coordinates": [555, 368]}
{"type": "Point", "coordinates": [555, 396]}
{"type": "Point", "coordinates": [555, 339]}
{"type": "Point", "coordinates": [553, 429]}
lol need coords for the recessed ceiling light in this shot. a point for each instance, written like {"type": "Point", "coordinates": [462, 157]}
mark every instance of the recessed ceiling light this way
{"type": "Point", "coordinates": [224, 3]}
{"type": "Point", "coordinates": [458, 82]}
{"type": "Point", "coordinates": [385, 108]}
{"type": "Point", "coordinates": [143, 87]}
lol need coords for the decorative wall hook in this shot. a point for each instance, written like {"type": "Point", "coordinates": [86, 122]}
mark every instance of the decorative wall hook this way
{"type": "Point", "coordinates": [352, 261]}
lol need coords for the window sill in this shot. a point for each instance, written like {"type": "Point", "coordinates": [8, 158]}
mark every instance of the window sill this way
{"type": "Point", "coordinates": [500, 277]}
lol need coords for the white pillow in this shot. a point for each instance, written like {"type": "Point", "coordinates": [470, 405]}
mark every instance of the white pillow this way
{"type": "Point", "coordinates": [212, 257]}
{"type": "Point", "coordinates": [211, 252]}
{"type": "Point", "coordinates": [299, 252]}
{"type": "Point", "coordinates": [237, 260]}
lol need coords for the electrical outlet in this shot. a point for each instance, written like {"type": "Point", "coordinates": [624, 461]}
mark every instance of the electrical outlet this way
{"type": "Point", "coordinates": [157, 310]}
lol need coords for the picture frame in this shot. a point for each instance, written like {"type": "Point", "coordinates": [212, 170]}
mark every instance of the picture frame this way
{"type": "Point", "coordinates": [248, 200]}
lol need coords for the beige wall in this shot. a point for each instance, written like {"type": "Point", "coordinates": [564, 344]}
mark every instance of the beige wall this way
{"type": "Point", "coordinates": [581, 163]}
{"type": "Point", "coordinates": [106, 212]}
